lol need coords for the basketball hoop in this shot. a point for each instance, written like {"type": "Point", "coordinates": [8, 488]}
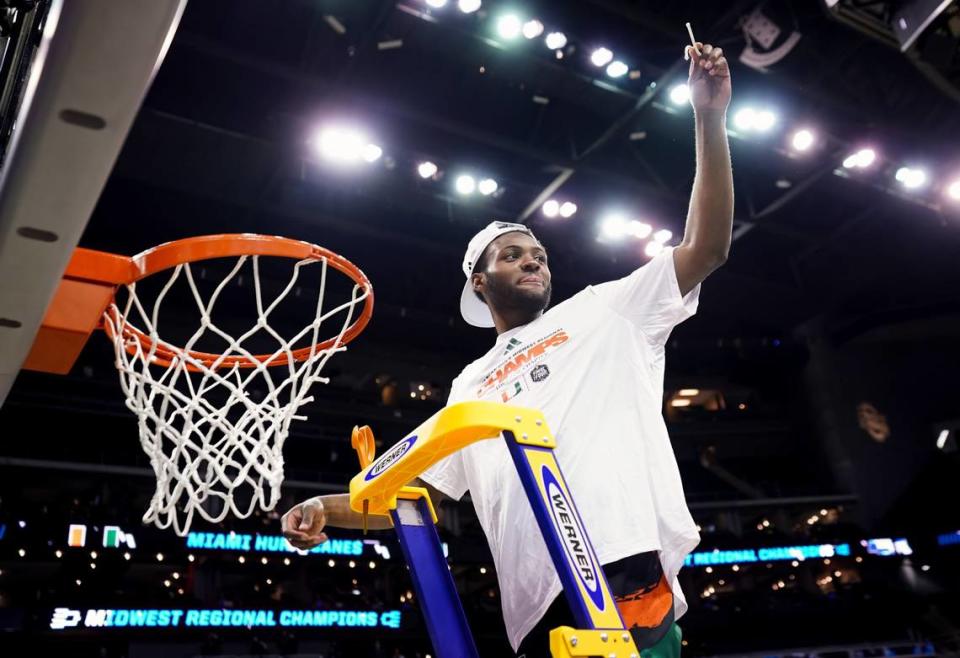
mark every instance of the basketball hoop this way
{"type": "Point", "coordinates": [214, 447]}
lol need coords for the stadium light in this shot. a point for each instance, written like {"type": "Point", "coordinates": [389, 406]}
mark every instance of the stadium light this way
{"type": "Point", "coordinates": [468, 6]}
{"type": "Point", "coordinates": [662, 236]}
{"type": "Point", "coordinates": [617, 69]}
{"type": "Point", "coordinates": [345, 146]}
{"type": "Point", "coordinates": [556, 40]}
{"type": "Point", "coordinates": [911, 178]}
{"type": "Point", "coordinates": [340, 144]}
{"type": "Point", "coordinates": [942, 439]}
{"type": "Point", "coordinates": [744, 118]}
{"type": "Point", "coordinates": [680, 94]}
{"type": "Point", "coordinates": [652, 249]}
{"type": "Point", "coordinates": [551, 208]}
{"type": "Point", "coordinates": [865, 157]}
{"type": "Point", "coordinates": [437, 4]}
{"type": "Point", "coordinates": [568, 209]}
{"type": "Point", "coordinates": [953, 190]}
{"type": "Point", "coordinates": [750, 119]}
{"type": "Point", "coordinates": [861, 159]}
{"type": "Point", "coordinates": [509, 26]}
{"type": "Point", "coordinates": [802, 140]}
{"type": "Point", "coordinates": [532, 29]}
{"type": "Point", "coordinates": [639, 229]}
{"type": "Point", "coordinates": [487, 186]}
{"type": "Point", "coordinates": [465, 184]}
{"type": "Point", "coordinates": [765, 120]}
{"type": "Point", "coordinates": [614, 226]}
{"type": "Point", "coordinates": [372, 152]}
{"type": "Point", "coordinates": [601, 56]}
{"type": "Point", "coordinates": [427, 169]}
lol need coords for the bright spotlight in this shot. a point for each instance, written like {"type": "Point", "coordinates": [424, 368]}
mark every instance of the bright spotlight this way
{"type": "Point", "coordinates": [465, 184]}
{"type": "Point", "coordinates": [372, 152]}
{"type": "Point", "coordinates": [437, 4]}
{"type": "Point", "coordinates": [750, 119]}
{"type": "Point", "coordinates": [764, 120]}
{"type": "Point", "coordinates": [802, 140]}
{"type": "Point", "coordinates": [680, 94]}
{"type": "Point", "coordinates": [568, 209]}
{"type": "Point", "coordinates": [487, 186]}
{"type": "Point", "coordinates": [652, 249]}
{"type": "Point", "coordinates": [469, 6]}
{"type": "Point", "coordinates": [942, 439]}
{"type": "Point", "coordinates": [551, 208]}
{"type": "Point", "coordinates": [556, 40]}
{"type": "Point", "coordinates": [745, 118]}
{"type": "Point", "coordinates": [639, 229]}
{"type": "Point", "coordinates": [509, 26]}
{"type": "Point", "coordinates": [953, 190]}
{"type": "Point", "coordinates": [341, 144]}
{"type": "Point", "coordinates": [912, 178]}
{"type": "Point", "coordinates": [427, 169]}
{"type": "Point", "coordinates": [614, 226]}
{"type": "Point", "coordinates": [601, 56]}
{"type": "Point", "coordinates": [864, 158]}
{"type": "Point", "coordinates": [662, 236]}
{"type": "Point", "coordinates": [617, 69]}
{"type": "Point", "coordinates": [532, 29]}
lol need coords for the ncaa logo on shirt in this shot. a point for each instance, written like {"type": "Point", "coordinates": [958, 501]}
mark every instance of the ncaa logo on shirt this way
{"type": "Point", "coordinates": [573, 538]}
{"type": "Point", "coordinates": [389, 457]}
{"type": "Point", "coordinates": [540, 373]}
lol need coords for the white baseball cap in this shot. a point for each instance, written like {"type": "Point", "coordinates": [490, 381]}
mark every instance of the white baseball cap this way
{"type": "Point", "coordinates": [473, 310]}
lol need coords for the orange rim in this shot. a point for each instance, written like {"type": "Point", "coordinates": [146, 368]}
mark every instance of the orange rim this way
{"type": "Point", "coordinates": [192, 250]}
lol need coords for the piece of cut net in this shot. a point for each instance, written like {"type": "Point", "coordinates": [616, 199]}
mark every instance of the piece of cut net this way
{"type": "Point", "coordinates": [214, 449]}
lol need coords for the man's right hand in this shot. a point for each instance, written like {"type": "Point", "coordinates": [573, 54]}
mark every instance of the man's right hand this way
{"type": "Point", "coordinates": [303, 524]}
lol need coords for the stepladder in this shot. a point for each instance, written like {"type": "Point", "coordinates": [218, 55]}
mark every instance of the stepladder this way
{"type": "Point", "coordinates": [381, 489]}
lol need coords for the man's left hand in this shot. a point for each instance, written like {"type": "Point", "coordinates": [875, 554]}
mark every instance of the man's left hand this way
{"type": "Point", "coordinates": [709, 79]}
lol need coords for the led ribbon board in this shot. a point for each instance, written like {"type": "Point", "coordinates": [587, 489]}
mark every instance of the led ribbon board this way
{"type": "Point", "coordinates": [223, 541]}
{"type": "Point", "coordinates": [742, 556]}
{"type": "Point", "coordinates": [70, 618]}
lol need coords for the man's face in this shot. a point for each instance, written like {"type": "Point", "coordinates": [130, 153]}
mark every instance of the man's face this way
{"type": "Point", "coordinates": [516, 276]}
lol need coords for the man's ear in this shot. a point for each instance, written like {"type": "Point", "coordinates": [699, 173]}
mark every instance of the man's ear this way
{"type": "Point", "coordinates": [477, 279]}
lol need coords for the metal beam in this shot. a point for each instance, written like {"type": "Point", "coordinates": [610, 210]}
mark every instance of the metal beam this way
{"type": "Point", "coordinates": [545, 194]}
{"type": "Point", "coordinates": [620, 122]}
{"type": "Point", "coordinates": [800, 187]}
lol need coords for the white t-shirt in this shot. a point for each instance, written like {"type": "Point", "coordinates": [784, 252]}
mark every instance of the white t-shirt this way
{"type": "Point", "coordinates": [594, 366]}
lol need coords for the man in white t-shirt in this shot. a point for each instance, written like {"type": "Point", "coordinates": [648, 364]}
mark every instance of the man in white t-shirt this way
{"type": "Point", "coordinates": [593, 365]}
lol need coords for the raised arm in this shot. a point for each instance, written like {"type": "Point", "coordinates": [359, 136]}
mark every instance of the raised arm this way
{"type": "Point", "coordinates": [706, 238]}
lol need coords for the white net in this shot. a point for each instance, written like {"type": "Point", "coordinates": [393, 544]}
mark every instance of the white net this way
{"type": "Point", "coordinates": [214, 445]}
